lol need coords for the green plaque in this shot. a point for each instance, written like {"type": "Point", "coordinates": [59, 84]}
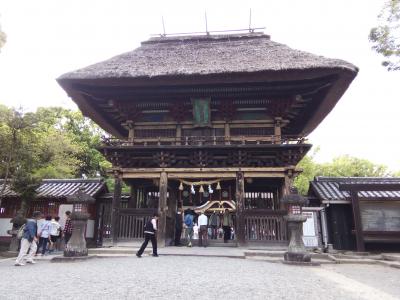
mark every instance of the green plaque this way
{"type": "Point", "coordinates": [201, 112]}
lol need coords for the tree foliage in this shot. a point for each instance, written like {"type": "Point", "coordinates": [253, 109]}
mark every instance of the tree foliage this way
{"type": "Point", "coordinates": [3, 38]}
{"type": "Point", "coordinates": [341, 166]}
{"type": "Point", "coordinates": [52, 142]}
{"type": "Point", "coordinates": [385, 37]}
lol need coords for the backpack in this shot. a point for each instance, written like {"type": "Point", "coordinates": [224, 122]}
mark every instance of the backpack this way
{"type": "Point", "coordinates": [149, 226]}
{"type": "Point", "coordinates": [20, 232]}
{"type": "Point", "coordinates": [189, 220]}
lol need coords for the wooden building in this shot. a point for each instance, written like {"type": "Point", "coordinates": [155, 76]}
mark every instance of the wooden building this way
{"type": "Point", "coordinates": [214, 120]}
{"type": "Point", "coordinates": [358, 211]}
{"type": "Point", "coordinates": [51, 199]}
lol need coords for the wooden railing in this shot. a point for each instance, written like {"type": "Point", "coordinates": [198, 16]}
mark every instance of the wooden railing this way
{"type": "Point", "coordinates": [204, 141]}
{"type": "Point", "coordinates": [265, 225]}
{"type": "Point", "coordinates": [132, 221]}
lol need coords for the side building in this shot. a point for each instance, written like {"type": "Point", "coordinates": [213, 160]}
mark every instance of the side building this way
{"type": "Point", "coordinates": [51, 199]}
{"type": "Point", "coordinates": [208, 122]}
{"type": "Point", "coordinates": [373, 201]}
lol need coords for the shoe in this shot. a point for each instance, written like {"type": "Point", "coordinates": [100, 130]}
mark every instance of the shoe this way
{"type": "Point", "coordinates": [31, 262]}
{"type": "Point", "coordinates": [155, 255]}
{"type": "Point", "coordinates": [138, 256]}
{"type": "Point", "coordinates": [19, 264]}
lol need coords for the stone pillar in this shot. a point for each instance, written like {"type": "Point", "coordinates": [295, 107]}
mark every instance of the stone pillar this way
{"type": "Point", "coordinates": [240, 232]}
{"type": "Point", "coordinates": [115, 208]}
{"type": "Point", "coordinates": [162, 209]}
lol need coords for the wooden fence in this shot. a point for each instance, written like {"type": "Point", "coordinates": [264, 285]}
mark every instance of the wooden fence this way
{"type": "Point", "coordinates": [265, 225]}
{"type": "Point", "coordinates": [132, 222]}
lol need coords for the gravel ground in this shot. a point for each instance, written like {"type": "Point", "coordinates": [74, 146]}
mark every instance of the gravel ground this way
{"type": "Point", "coordinates": [174, 277]}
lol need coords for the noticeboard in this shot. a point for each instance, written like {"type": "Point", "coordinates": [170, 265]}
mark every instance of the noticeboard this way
{"type": "Point", "coordinates": [380, 216]}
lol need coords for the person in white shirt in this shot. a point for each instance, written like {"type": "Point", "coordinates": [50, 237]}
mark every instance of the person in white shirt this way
{"type": "Point", "coordinates": [150, 230]}
{"type": "Point", "coordinates": [55, 234]}
{"type": "Point", "coordinates": [203, 222]}
{"type": "Point", "coordinates": [44, 235]}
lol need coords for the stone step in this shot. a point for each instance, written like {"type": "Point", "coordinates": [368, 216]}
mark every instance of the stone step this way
{"type": "Point", "coordinates": [115, 250]}
{"type": "Point", "coordinates": [391, 257]}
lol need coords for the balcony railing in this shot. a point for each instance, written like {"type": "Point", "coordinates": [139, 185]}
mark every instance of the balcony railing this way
{"type": "Point", "coordinates": [204, 141]}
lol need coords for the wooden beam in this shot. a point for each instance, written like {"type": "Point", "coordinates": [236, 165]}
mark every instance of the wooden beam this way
{"type": "Point", "coordinates": [162, 208]}
{"type": "Point", "coordinates": [195, 170]}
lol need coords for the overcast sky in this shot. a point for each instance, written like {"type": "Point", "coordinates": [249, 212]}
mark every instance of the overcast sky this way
{"type": "Point", "coordinates": [47, 38]}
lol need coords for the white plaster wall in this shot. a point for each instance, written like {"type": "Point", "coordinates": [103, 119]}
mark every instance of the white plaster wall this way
{"type": "Point", "coordinates": [90, 229]}
{"type": "Point", "coordinates": [4, 226]}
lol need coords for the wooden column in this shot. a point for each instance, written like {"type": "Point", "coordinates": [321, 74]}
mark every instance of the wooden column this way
{"type": "Point", "coordinates": [240, 232]}
{"type": "Point", "coordinates": [133, 196]}
{"type": "Point", "coordinates": [162, 209]}
{"type": "Point", "coordinates": [227, 133]}
{"type": "Point", "coordinates": [277, 130]}
{"type": "Point", "coordinates": [115, 208]}
{"type": "Point", "coordinates": [357, 220]}
{"type": "Point", "coordinates": [131, 132]}
{"type": "Point", "coordinates": [178, 134]}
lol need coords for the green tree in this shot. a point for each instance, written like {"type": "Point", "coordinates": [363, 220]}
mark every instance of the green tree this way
{"type": "Point", "coordinates": [3, 38]}
{"type": "Point", "coordinates": [385, 37]}
{"type": "Point", "coordinates": [341, 166]}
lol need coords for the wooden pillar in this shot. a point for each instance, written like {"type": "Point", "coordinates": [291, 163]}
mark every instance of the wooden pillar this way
{"type": "Point", "coordinates": [162, 209]}
{"type": "Point", "coordinates": [277, 130]}
{"type": "Point", "coordinates": [227, 133]}
{"type": "Point", "coordinates": [132, 203]}
{"type": "Point", "coordinates": [240, 232]}
{"type": "Point", "coordinates": [178, 134]}
{"type": "Point", "coordinates": [357, 220]}
{"type": "Point", "coordinates": [131, 132]}
{"type": "Point", "coordinates": [115, 208]}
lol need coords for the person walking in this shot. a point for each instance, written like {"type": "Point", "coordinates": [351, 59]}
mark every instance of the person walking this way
{"type": "Point", "coordinates": [150, 233]}
{"type": "Point", "coordinates": [67, 227]}
{"type": "Point", "coordinates": [28, 241]}
{"type": "Point", "coordinates": [189, 227]}
{"type": "Point", "coordinates": [226, 225]}
{"type": "Point", "coordinates": [213, 222]}
{"type": "Point", "coordinates": [178, 227]}
{"type": "Point", "coordinates": [44, 235]}
{"type": "Point", "coordinates": [55, 234]}
{"type": "Point", "coordinates": [203, 235]}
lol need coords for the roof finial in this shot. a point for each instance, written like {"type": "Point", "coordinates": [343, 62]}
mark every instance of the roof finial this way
{"type": "Point", "coordinates": [250, 29]}
{"type": "Point", "coordinates": [163, 26]}
{"type": "Point", "coordinates": [205, 16]}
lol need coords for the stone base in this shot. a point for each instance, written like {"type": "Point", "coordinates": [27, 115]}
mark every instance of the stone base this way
{"type": "Point", "coordinates": [72, 258]}
{"type": "Point", "coordinates": [9, 254]}
{"type": "Point", "coordinates": [76, 253]}
{"type": "Point", "coordinates": [297, 257]}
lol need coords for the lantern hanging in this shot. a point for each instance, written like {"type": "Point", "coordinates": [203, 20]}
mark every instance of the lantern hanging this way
{"type": "Point", "coordinates": [192, 190]}
{"type": "Point", "coordinates": [201, 190]}
{"type": "Point", "coordinates": [218, 186]}
{"type": "Point", "coordinates": [210, 190]}
{"type": "Point", "coordinates": [181, 186]}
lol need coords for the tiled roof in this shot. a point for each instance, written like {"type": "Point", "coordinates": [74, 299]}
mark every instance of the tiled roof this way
{"type": "Point", "coordinates": [8, 192]}
{"type": "Point", "coordinates": [60, 188]}
{"type": "Point", "coordinates": [327, 188]}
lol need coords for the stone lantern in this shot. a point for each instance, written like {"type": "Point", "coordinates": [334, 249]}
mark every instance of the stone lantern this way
{"type": "Point", "coordinates": [76, 246]}
{"type": "Point", "coordinates": [297, 252]}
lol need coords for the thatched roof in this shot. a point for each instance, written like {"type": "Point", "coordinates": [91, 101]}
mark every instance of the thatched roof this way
{"type": "Point", "coordinates": [203, 55]}
{"type": "Point", "coordinates": [179, 61]}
